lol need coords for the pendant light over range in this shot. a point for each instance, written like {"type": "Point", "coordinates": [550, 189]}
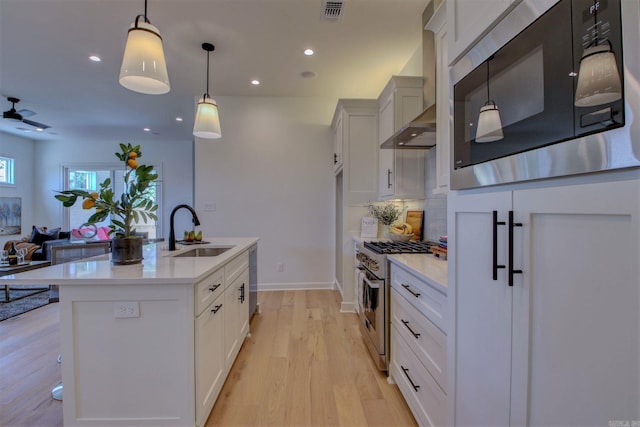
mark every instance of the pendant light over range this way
{"type": "Point", "coordinates": [207, 123]}
{"type": "Point", "coordinates": [144, 68]}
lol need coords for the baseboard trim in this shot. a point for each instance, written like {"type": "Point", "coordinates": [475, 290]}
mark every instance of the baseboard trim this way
{"type": "Point", "coordinates": [294, 286]}
{"type": "Point", "coordinates": [347, 307]}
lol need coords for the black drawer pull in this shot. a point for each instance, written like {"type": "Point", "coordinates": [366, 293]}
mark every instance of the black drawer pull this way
{"type": "Point", "coordinates": [214, 287]}
{"type": "Point", "coordinates": [407, 287]}
{"type": "Point", "coordinates": [216, 308]}
{"type": "Point", "coordinates": [406, 374]}
{"type": "Point", "coordinates": [406, 325]}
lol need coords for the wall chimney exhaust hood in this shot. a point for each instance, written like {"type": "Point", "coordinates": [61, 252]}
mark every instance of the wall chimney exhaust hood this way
{"type": "Point", "coordinates": [418, 134]}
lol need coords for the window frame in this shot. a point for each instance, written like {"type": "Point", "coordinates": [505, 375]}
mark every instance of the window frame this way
{"type": "Point", "coordinates": [11, 172]}
{"type": "Point", "coordinates": [112, 167]}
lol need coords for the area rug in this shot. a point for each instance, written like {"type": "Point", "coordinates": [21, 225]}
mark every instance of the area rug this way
{"type": "Point", "coordinates": [21, 304]}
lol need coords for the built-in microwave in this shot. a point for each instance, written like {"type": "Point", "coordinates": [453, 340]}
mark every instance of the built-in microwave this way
{"type": "Point", "coordinates": [556, 98]}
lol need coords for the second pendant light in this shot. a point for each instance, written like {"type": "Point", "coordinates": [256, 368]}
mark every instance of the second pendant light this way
{"type": "Point", "coordinates": [207, 123]}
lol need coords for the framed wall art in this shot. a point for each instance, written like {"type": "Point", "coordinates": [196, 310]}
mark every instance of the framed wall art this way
{"type": "Point", "coordinates": [10, 215]}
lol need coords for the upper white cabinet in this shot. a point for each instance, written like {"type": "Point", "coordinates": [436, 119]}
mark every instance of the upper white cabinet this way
{"type": "Point", "coordinates": [469, 20]}
{"type": "Point", "coordinates": [560, 345]}
{"type": "Point", "coordinates": [355, 125]}
{"type": "Point", "coordinates": [401, 172]}
{"type": "Point", "coordinates": [437, 25]}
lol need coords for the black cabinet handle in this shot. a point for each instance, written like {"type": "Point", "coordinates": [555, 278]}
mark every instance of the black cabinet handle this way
{"type": "Point", "coordinates": [415, 294]}
{"type": "Point", "coordinates": [216, 308]}
{"type": "Point", "coordinates": [512, 225]}
{"type": "Point", "coordinates": [389, 178]}
{"type": "Point", "coordinates": [406, 374]}
{"type": "Point", "coordinates": [335, 158]}
{"type": "Point", "coordinates": [496, 223]}
{"type": "Point", "coordinates": [406, 325]}
{"type": "Point", "coordinates": [214, 287]}
{"type": "Point", "coordinates": [241, 297]}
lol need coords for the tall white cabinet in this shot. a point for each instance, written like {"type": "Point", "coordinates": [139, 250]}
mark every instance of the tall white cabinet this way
{"type": "Point", "coordinates": [561, 345]}
{"type": "Point", "coordinates": [355, 126]}
{"type": "Point", "coordinates": [401, 172]}
{"type": "Point", "coordinates": [437, 25]}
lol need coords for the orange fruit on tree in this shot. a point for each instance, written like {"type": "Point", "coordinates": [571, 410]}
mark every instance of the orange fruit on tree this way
{"type": "Point", "coordinates": [88, 203]}
{"type": "Point", "coordinates": [133, 155]}
{"type": "Point", "coordinates": [94, 195]}
{"type": "Point", "coordinates": [132, 163]}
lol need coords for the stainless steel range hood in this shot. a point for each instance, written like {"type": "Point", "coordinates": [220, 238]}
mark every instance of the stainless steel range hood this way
{"type": "Point", "coordinates": [418, 134]}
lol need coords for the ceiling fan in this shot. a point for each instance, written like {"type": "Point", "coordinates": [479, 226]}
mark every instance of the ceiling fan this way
{"type": "Point", "coordinates": [20, 115]}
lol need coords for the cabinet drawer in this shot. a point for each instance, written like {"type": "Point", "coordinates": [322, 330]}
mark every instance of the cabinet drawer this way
{"type": "Point", "coordinates": [427, 341]}
{"type": "Point", "coordinates": [423, 395]}
{"type": "Point", "coordinates": [236, 266]}
{"type": "Point", "coordinates": [209, 289]}
{"type": "Point", "coordinates": [425, 298]}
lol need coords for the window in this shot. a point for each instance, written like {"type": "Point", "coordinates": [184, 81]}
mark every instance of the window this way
{"type": "Point", "coordinates": [88, 178]}
{"type": "Point", "coordinates": [6, 171]}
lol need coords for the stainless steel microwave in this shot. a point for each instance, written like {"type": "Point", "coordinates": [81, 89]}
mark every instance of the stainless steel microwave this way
{"type": "Point", "coordinates": [541, 100]}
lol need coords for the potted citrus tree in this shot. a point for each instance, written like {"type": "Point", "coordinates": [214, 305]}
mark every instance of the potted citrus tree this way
{"type": "Point", "coordinates": [123, 212]}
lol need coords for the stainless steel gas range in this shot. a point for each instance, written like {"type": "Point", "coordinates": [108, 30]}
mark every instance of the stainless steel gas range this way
{"type": "Point", "coordinates": [372, 292]}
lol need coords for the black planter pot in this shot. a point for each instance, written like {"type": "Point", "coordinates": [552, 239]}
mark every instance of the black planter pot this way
{"type": "Point", "coordinates": [126, 250]}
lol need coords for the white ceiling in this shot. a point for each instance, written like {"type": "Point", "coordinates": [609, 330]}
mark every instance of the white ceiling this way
{"type": "Point", "coordinates": [45, 44]}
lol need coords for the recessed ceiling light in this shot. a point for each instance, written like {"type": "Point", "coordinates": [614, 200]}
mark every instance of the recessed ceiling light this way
{"type": "Point", "coordinates": [309, 52]}
{"type": "Point", "coordinates": [255, 82]}
{"type": "Point", "coordinates": [95, 58]}
{"type": "Point", "coordinates": [146, 129]}
{"type": "Point", "coordinates": [178, 119]}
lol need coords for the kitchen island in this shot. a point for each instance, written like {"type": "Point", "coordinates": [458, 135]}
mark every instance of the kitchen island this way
{"type": "Point", "coordinates": [149, 344]}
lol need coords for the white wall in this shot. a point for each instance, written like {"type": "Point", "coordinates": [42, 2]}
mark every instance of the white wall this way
{"type": "Point", "coordinates": [174, 158]}
{"type": "Point", "coordinates": [271, 176]}
{"type": "Point", "coordinates": [23, 151]}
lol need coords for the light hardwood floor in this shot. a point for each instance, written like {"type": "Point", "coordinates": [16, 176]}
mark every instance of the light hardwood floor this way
{"type": "Point", "coordinates": [305, 364]}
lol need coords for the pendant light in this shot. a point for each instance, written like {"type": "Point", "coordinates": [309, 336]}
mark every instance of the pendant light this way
{"type": "Point", "coordinates": [489, 123]}
{"type": "Point", "coordinates": [598, 76]}
{"type": "Point", "coordinates": [207, 124]}
{"type": "Point", "coordinates": [144, 68]}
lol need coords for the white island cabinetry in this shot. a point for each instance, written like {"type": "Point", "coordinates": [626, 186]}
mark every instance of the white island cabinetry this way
{"type": "Point", "coordinates": [418, 335]}
{"type": "Point", "coordinates": [149, 344]}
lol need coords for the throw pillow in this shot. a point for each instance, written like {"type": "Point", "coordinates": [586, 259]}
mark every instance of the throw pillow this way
{"type": "Point", "coordinates": [42, 234]}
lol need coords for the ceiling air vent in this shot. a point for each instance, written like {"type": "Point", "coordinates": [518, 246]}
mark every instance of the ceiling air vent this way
{"type": "Point", "coordinates": [332, 10]}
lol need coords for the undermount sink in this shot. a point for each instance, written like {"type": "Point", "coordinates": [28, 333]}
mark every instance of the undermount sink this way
{"type": "Point", "coordinates": [200, 252]}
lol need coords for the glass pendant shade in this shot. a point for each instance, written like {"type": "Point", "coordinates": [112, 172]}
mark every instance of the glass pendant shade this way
{"type": "Point", "coordinates": [144, 68]}
{"type": "Point", "coordinates": [489, 124]}
{"type": "Point", "coordinates": [598, 77]}
{"type": "Point", "coordinates": [207, 123]}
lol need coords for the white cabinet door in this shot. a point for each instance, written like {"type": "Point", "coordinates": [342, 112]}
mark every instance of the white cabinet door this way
{"type": "Point", "coordinates": [481, 356]}
{"type": "Point", "coordinates": [561, 346]}
{"type": "Point", "coordinates": [210, 361]}
{"type": "Point", "coordinates": [437, 24]}
{"type": "Point", "coordinates": [400, 172]}
{"type": "Point", "coordinates": [386, 128]}
{"type": "Point", "coordinates": [236, 316]}
{"type": "Point", "coordinates": [469, 20]}
{"type": "Point", "coordinates": [337, 145]}
{"type": "Point", "coordinates": [576, 306]}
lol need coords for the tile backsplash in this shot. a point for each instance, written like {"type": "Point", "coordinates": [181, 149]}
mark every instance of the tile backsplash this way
{"type": "Point", "coordinates": [434, 205]}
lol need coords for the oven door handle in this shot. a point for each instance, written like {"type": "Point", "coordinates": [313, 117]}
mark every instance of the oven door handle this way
{"type": "Point", "coordinates": [370, 283]}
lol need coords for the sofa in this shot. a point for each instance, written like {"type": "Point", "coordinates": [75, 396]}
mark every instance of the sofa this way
{"type": "Point", "coordinates": [40, 242]}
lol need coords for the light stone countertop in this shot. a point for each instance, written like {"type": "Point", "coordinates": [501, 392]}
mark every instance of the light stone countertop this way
{"type": "Point", "coordinates": [159, 266]}
{"type": "Point", "coordinates": [425, 266]}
